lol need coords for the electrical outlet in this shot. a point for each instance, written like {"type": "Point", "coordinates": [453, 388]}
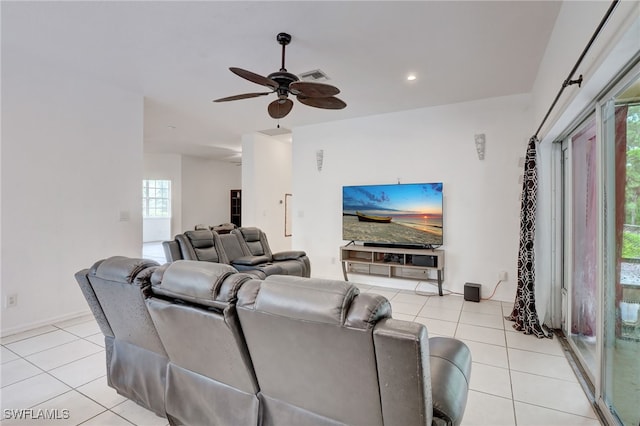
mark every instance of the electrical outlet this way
{"type": "Point", "coordinates": [11, 300]}
{"type": "Point", "coordinates": [502, 276]}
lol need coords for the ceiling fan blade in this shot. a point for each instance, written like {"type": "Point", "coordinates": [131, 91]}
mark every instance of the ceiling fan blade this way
{"type": "Point", "coordinates": [280, 108]}
{"type": "Point", "coordinates": [255, 78]}
{"type": "Point", "coordinates": [243, 96]}
{"type": "Point", "coordinates": [327, 103]}
{"type": "Point", "coordinates": [313, 90]}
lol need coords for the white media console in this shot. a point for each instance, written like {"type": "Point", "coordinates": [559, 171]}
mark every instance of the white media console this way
{"type": "Point", "coordinates": [393, 262]}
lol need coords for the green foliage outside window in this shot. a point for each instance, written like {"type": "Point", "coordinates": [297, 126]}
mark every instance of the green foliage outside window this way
{"type": "Point", "coordinates": [633, 165]}
{"type": "Point", "coordinates": [630, 238]}
{"type": "Point", "coordinates": [630, 245]}
{"type": "Point", "coordinates": [156, 198]}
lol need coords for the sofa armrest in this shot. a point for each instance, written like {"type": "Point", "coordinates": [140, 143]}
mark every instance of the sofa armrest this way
{"type": "Point", "coordinates": [171, 250]}
{"type": "Point", "coordinates": [288, 255]}
{"type": "Point", "coordinates": [450, 361]}
{"type": "Point", "coordinates": [402, 355]}
{"type": "Point", "coordinates": [250, 260]}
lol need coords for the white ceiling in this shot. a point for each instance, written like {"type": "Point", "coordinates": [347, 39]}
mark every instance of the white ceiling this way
{"type": "Point", "coordinates": [176, 54]}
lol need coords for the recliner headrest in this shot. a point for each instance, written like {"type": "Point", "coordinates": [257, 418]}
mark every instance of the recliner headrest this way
{"type": "Point", "coordinates": [122, 269]}
{"type": "Point", "coordinates": [201, 238]}
{"type": "Point", "coordinates": [202, 244]}
{"type": "Point", "coordinates": [315, 300]}
{"type": "Point", "coordinates": [250, 234]}
{"type": "Point", "coordinates": [204, 283]}
{"type": "Point", "coordinates": [254, 241]}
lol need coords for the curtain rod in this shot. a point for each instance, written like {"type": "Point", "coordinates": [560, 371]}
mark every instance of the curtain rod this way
{"type": "Point", "coordinates": [578, 81]}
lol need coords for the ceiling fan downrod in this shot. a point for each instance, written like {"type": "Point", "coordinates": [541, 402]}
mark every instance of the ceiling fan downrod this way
{"type": "Point", "coordinates": [284, 39]}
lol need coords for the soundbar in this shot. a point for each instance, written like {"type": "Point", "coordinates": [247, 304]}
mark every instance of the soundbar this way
{"type": "Point", "coordinates": [401, 246]}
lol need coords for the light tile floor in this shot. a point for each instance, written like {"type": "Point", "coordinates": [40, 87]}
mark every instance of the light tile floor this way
{"type": "Point", "coordinates": [516, 379]}
{"type": "Point", "coordinates": [153, 250]}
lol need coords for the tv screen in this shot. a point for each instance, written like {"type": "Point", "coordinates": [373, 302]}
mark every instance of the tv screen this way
{"type": "Point", "coordinates": [400, 214]}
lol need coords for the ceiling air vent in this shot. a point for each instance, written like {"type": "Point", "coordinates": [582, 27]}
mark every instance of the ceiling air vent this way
{"type": "Point", "coordinates": [315, 75]}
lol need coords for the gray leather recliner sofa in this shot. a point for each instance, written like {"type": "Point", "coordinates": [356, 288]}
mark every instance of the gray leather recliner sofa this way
{"type": "Point", "coordinates": [246, 249]}
{"type": "Point", "coordinates": [116, 290]}
{"type": "Point", "coordinates": [280, 351]}
{"type": "Point", "coordinates": [294, 262]}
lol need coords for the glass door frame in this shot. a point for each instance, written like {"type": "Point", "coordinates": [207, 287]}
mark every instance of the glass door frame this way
{"type": "Point", "coordinates": [605, 109]}
{"type": "Point", "coordinates": [567, 211]}
{"type": "Point", "coordinates": [600, 109]}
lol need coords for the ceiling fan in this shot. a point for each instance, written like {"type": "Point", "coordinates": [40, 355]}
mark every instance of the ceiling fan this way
{"type": "Point", "coordinates": [318, 95]}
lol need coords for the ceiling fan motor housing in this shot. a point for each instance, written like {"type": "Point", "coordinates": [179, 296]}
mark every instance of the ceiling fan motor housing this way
{"type": "Point", "coordinates": [284, 79]}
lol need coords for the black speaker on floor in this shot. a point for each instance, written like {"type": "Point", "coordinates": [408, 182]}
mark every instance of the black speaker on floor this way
{"type": "Point", "coordinates": [472, 292]}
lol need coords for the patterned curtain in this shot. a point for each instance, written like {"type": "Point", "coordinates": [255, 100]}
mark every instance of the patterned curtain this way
{"type": "Point", "coordinates": [524, 309]}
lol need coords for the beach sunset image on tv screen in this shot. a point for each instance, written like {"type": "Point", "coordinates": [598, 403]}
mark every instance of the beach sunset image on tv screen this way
{"type": "Point", "coordinates": [393, 214]}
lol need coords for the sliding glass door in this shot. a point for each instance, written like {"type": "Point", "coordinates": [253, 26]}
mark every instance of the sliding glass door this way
{"type": "Point", "coordinates": [601, 253]}
{"type": "Point", "coordinates": [620, 390]}
{"type": "Point", "coordinates": [582, 223]}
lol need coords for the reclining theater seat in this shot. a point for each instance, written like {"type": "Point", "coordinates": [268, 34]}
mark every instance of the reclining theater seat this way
{"type": "Point", "coordinates": [326, 355]}
{"type": "Point", "coordinates": [292, 262]}
{"type": "Point", "coordinates": [202, 244]}
{"type": "Point", "coordinates": [210, 379]}
{"type": "Point", "coordinates": [311, 342]}
{"type": "Point", "coordinates": [242, 259]}
{"type": "Point", "coordinates": [209, 246]}
{"type": "Point", "coordinates": [115, 289]}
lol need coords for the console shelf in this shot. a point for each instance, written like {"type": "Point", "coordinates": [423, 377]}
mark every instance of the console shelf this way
{"type": "Point", "coordinates": [393, 262]}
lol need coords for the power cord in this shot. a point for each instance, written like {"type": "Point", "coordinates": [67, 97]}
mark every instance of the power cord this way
{"type": "Point", "coordinates": [415, 290]}
{"type": "Point", "coordinates": [494, 292]}
{"type": "Point", "coordinates": [430, 293]}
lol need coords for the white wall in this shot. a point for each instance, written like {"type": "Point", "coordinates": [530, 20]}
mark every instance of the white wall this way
{"type": "Point", "coordinates": [71, 170]}
{"type": "Point", "coordinates": [266, 178]}
{"type": "Point", "coordinates": [167, 167]}
{"type": "Point", "coordinates": [481, 198]}
{"type": "Point", "coordinates": [205, 191]}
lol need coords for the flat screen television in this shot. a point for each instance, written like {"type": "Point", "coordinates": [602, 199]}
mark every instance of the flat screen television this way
{"type": "Point", "coordinates": [407, 214]}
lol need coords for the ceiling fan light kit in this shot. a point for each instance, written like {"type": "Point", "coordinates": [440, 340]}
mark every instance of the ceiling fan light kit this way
{"type": "Point", "coordinates": [284, 83]}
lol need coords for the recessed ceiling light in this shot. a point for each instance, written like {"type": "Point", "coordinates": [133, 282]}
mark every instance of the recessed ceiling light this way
{"type": "Point", "coordinates": [411, 77]}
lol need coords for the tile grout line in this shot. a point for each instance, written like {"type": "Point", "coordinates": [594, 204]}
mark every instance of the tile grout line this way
{"type": "Point", "coordinates": [53, 325]}
{"type": "Point", "coordinates": [74, 388]}
{"type": "Point", "coordinates": [106, 411]}
{"type": "Point", "coordinates": [513, 398]}
{"type": "Point", "coordinates": [57, 346]}
{"type": "Point", "coordinates": [70, 387]}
